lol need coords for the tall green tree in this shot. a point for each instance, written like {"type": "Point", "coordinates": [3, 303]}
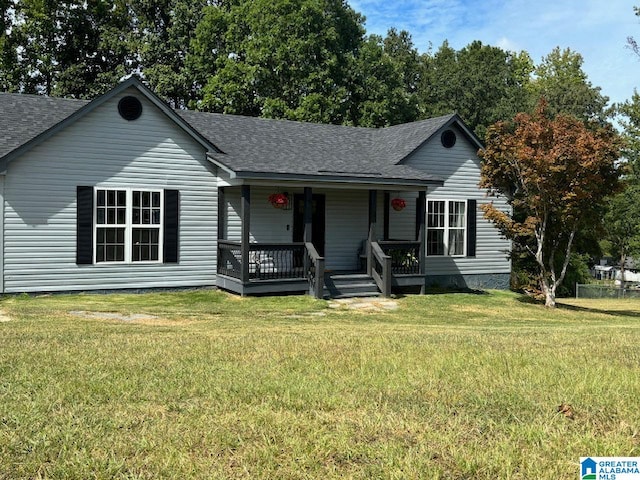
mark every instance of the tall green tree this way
{"type": "Point", "coordinates": [163, 32]}
{"type": "Point", "coordinates": [9, 42]}
{"type": "Point", "coordinates": [95, 48]}
{"type": "Point", "coordinates": [278, 58]}
{"type": "Point", "coordinates": [558, 172]}
{"type": "Point", "coordinates": [482, 83]}
{"type": "Point", "coordinates": [75, 48]}
{"type": "Point", "coordinates": [622, 217]}
{"type": "Point", "coordinates": [386, 81]}
{"type": "Point", "coordinates": [40, 32]}
{"type": "Point", "coordinates": [622, 224]}
{"type": "Point", "coordinates": [629, 119]}
{"type": "Point", "coordinates": [566, 88]}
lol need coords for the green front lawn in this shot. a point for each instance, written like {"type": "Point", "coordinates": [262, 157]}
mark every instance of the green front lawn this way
{"type": "Point", "coordinates": [207, 385]}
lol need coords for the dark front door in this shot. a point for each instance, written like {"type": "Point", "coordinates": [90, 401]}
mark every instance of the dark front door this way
{"type": "Point", "coordinates": [317, 219]}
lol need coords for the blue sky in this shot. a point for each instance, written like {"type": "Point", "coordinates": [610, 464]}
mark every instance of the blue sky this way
{"type": "Point", "coordinates": [597, 29]}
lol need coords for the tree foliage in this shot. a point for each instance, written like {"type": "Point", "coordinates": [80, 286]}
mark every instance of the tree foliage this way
{"type": "Point", "coordinates": [558, 171]}
{"type": "Point", "coordinates": [622, 220]}
{"type": "Point", "coordinates": [385, 81]}
{"type": "Point", "coordinates": [9, 43]}
{"type": "Point", "coordinates": [297, 59]}
{"type": "Point", "coordinates": [74, 48]}
{"type": "Point", "coordinates": [629, 119]}
{"type": "Point", "coordinates": [622, 216]}
{"type": "Point", "coordinates": [482, 83]}
{"type": "Point", "coordinates": [632, 43]}
{"type": "Point", "coordinates": [280, 59]}
{"type": "Point", "coordinates": [560, 80]}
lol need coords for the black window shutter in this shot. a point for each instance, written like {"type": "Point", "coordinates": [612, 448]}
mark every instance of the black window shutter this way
{"type": "Point", "coordinates": [84, 225]}
{"type": "Point", "coordinates": [471, 227]}
{"type": "Point", "coordinates": [171, 225]}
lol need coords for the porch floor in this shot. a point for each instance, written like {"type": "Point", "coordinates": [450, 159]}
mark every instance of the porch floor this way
{"type": "Point", "coordinates": [337, 284]}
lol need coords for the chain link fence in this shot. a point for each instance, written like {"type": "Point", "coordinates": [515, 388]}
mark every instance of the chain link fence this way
{"type": "Point", "coordinates": [605, 291]}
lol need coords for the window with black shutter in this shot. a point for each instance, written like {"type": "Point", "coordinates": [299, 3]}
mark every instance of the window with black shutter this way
{"type": "Point", "coordinates": [127, 225]}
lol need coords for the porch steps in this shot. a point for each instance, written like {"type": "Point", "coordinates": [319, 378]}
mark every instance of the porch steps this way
{"type": "Point", "coordinates": [349, 285]}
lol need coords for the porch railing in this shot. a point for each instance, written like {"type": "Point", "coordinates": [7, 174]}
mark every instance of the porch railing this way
{"type": "Point", "coordinates": [405, 256]}
{"type": "Point", "coordinates": [381, 269]}
{"type": "Point", "coordinates": [274, 261]}
{"type": "Point", "coordinates": [267, 261]}
{"type": "Point", "coordinates": [230, 258]}
{"type": "Point", "coordinates": [301, 261]}
{"type": "Point", "coordinates": [314, 267]}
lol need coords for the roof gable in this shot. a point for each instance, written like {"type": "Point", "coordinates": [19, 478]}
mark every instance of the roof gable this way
{"type": "Point", "coordinates": [434, 130]}
{"type": "Point", "coordinates": [42, 117]}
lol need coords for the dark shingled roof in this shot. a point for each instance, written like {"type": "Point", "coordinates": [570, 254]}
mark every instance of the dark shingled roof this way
{"type": "Point", "coordinates": [268, 146]}
{"type": "Point", "coordinates": [24, 117]}
{"type": "Point", "coordinates": [259, 147]}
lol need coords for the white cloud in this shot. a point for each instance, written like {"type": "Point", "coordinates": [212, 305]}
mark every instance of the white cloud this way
{"type": "Point", "coordinates": [506, 44]}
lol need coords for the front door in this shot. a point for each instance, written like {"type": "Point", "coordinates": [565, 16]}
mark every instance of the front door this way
{"type": "Point", "coordinates": [317, 219]}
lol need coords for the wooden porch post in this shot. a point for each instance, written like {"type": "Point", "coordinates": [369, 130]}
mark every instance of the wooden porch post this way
{"type": "Point", "coordinates": [373, 200]}
{"type": "Point", "coordinates": [387, 201]}
{"type": "Point", "coordinates": [222, 214]}
{"type": "Point", "coordinates": [222, 210]}
{"type": "Point", "coordinates": [307, 234]}
{"type": "Point", "coordinates": [308, 214]}
{"type": "Point", "coordinates": [421, 213]}
{"type": "Point", "coordinates": [245, 214]}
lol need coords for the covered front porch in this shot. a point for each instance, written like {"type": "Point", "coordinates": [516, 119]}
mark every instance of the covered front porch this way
{"type": "Point", "coordinates": [319, 230]}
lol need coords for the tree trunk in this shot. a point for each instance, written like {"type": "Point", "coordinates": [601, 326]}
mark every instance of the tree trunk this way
{"type": "Point", "coordinates": [550, 300]}
{"type": "Point", "coordinates": [549, 293]}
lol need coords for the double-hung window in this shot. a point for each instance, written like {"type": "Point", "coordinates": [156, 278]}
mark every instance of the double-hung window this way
{"type": "Point", "coordinates": [146, 224]}
{"type": "Point", "coordinates": [446, 228]}
{"type": "Point", "coordinates": [128, 225]}
{"type": "Point", "coordinates": [111, 225]}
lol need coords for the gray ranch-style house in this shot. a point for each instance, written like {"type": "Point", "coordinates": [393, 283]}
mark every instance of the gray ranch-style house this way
{"type": "Point", "coordinates": [124, 192]}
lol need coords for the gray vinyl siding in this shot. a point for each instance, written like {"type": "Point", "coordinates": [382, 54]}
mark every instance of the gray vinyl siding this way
{"type": "Point", "coordinates": [268, 224]}
{"type": "Point", "coordinates": [232, 227]}
{"type": "Point", "coordinates": [2, 210]}
{"type": "Point", "coordinates": [347, 225]}
{"type": "Point", "coordinates": [402, 224]}
{"type": "Point", "coordinates": [102, 149]}
{"type": "Point", "coordinates": [460, 167]}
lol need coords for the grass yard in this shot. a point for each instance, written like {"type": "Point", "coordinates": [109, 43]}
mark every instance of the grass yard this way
{"type": "Point", "coordinates": [205, 385]}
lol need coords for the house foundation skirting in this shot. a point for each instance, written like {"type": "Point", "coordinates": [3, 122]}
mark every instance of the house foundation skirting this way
{"type": "Point", "coordinates": [497, 281]}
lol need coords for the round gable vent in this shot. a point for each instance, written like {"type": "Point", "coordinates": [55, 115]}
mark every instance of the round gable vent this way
{"type": "Point", "coordinates": [448, 138]}
{"type": "Point", "coordinates": [129, 108]}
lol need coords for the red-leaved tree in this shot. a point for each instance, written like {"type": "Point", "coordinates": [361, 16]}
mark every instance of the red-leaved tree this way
{"type": "Point", "coordinates": [555, 173]}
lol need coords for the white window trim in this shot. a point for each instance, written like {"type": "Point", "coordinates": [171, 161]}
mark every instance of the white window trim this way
{"type": "Point", "coordinates": [128, 226]}
{"type": "Point", "coordinates": [447, 228]}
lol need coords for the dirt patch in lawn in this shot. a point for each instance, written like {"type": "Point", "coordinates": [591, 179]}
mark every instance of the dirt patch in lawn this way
{"type": "Point", "coordinates": [367, 304]}
{"type": "Point", "coordinates": [4, 317]}
{"type": "Point", "coordinates": [132, 317]}
{"type": "Point", "coordinates": [137, 318]}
